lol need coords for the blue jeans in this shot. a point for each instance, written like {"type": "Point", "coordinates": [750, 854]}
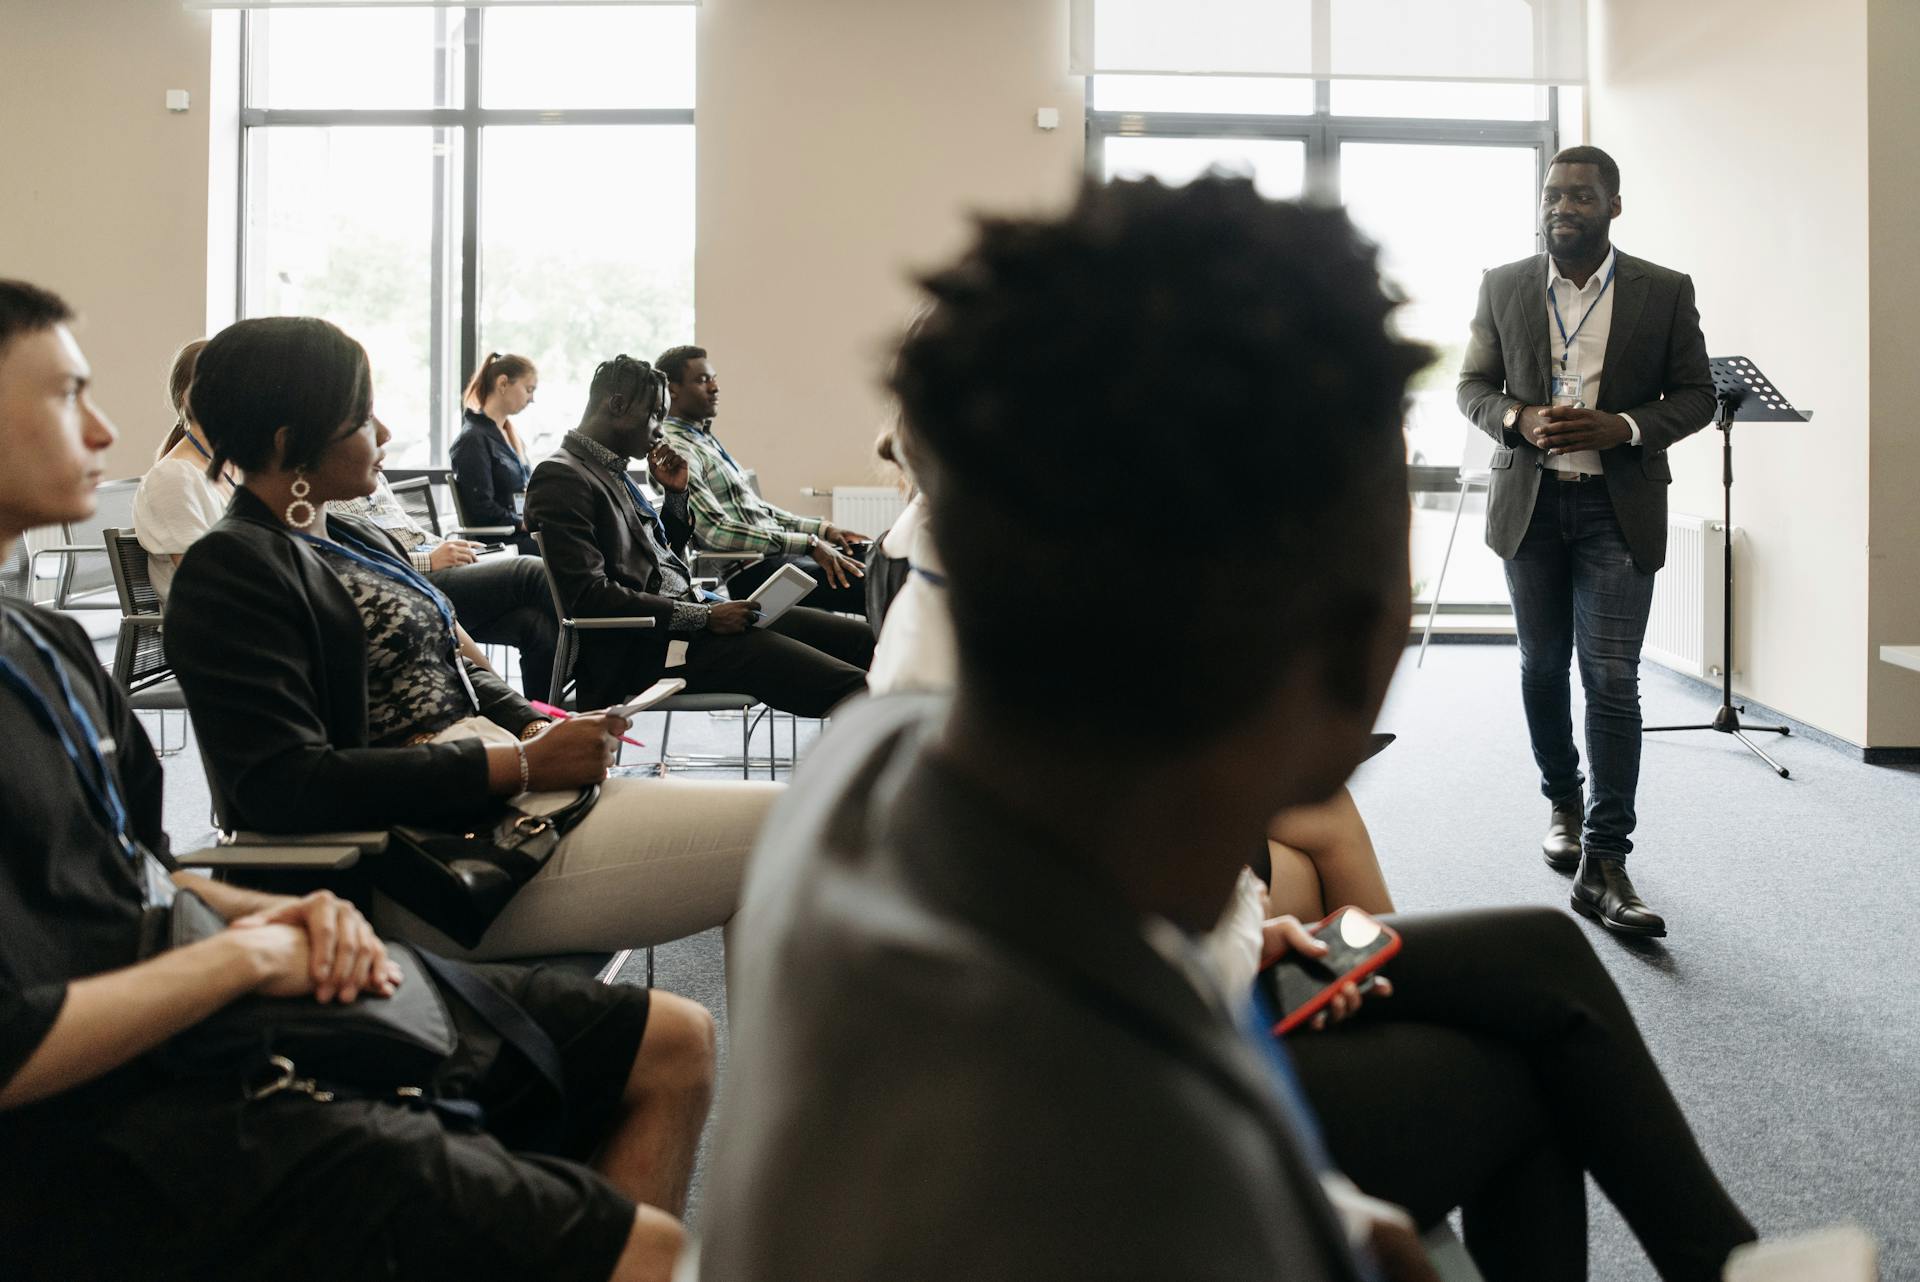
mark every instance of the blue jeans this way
{"type": "Point", "coordinates": [1573, 583]}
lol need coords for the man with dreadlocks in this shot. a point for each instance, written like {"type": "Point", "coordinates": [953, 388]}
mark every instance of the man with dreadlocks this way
{"type": "Point", "coordinates": [614, 555]}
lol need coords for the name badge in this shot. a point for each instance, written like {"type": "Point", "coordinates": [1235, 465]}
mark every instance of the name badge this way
{"type": "Point", "coordinates": [1566, 389]}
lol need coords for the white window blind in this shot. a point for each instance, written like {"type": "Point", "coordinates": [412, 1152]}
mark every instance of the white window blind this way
{"type": "Point", "coordinates": [1522, 41]}
{"type": "Point", "coordinates": [414, 4]}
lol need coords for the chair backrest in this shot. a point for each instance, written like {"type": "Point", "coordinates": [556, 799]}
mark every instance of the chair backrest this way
{"type": "Point", "coordinates": [568, 646]}
{"type": "Point", "coordinates": [416, 500]}
{"type": "Point", "coordinates": [139, 657]}
{"type": "Point", "coordinates": [14, 581]}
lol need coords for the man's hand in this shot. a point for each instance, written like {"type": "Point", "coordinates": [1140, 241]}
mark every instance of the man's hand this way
{"type": "Point", "coordinates": [667, 467]}
{"type": "Point", "coordinates": [835, 566]}
{"type": "Point", "coordinates": [1388, 1229]}
{"type": "Point", "coordinates": [1283, 935]}
{"type": "Point", "coordinates": [452, 552]}
{"type": "Point", "coordinates": [730, 618]}
{"type": "Point", "coordinates": [841, 538]}
{"type": "Point", "coordinates": [345, 958]}
{"type": "Point", "coordinates": [1567, 428]}
{"type": "Point", "coordinates": [574, 753]}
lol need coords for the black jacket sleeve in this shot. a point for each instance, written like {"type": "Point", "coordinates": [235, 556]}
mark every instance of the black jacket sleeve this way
{"type": "Point", "coordinates": [560, 505]}
{"type": "Point", "coordinates": [271, 683]}
{"type": "Point", "coordinates": [473, 473]}
{"type": "Point", "coordinates": [1688, 402]}
{"type": "Point", "coordinates": [1482, 390]}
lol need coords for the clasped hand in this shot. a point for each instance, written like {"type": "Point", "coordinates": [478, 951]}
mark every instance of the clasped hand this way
{"type": "Point", "coordinates": [318, 945]}
{"type": "Point", "coordinates": [1562, 429]}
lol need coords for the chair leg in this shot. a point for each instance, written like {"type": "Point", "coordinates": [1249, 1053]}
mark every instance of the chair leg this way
{"type": "Point", "coordinates": [666, 732]}
{"type": "Point", "coordinates": [649, 965]}
{"type": "Point", "coordinates": [746, 739]}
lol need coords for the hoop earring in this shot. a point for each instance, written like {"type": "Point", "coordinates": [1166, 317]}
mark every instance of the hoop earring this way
{"type": "Point", "coordinates": [301, 488]}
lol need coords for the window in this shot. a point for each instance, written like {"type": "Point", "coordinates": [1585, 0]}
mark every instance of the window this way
{"type": "Point", "coordinates": [441, 183]}
{"type": "Point", "coordinates": [1443, 176]}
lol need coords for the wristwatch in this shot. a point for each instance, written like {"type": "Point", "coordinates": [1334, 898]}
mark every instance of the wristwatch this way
{"type": "Point", "coordinates": [1512, 420]}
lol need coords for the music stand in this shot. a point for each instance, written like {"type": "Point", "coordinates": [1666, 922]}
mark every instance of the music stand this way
{"type": "Point", "coordinates": [1744, 396]}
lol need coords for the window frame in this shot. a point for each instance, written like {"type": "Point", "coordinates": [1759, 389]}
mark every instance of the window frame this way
{"type": "Point", "coordinates": [466, 123]}
{"type": "Point", "coordinates": [1324, 133]}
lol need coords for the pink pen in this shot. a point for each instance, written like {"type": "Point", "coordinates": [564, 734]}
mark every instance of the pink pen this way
{"type": "Point", "coordinates": [561, 714]}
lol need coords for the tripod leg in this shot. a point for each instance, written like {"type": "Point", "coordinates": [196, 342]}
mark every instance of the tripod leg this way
{"type": "Point", "coordinates": [1658, 729]}
{"type": "Point", "coordinates": [1433, 604]}
{"type": "Point", "coordinates": [1757, 751]}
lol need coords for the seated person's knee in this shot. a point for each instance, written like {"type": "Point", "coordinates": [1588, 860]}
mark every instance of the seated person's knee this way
{"type": "Point", "coordinates": [678, 1051]}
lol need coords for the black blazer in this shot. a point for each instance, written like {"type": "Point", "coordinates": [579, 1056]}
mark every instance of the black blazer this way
{"type": "Point", "coordinates": [1655, 368]}
{"type": "Point", "coordinates": [604, 563]}
{"type": "Point", "coordinates": [487, 473]}
{"type": "Point", "coordinates": [272, 655]}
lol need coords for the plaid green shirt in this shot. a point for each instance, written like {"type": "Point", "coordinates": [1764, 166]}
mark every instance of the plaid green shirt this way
{"type": "Point", "coordinates": [732, 518]}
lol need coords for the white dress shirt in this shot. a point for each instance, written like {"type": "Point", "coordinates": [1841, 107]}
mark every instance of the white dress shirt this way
{"type": "Point", "coordinates": [1588, 353]}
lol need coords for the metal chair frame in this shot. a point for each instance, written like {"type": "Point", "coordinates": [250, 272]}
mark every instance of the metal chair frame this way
{"type": "Point", "coordinates": [140, 664]}
{"type": "Point", "coordinates": [563, 685]}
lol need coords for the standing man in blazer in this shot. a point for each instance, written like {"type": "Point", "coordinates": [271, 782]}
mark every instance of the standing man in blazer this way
{"type": "Point", "coordinates": [1585, 365]}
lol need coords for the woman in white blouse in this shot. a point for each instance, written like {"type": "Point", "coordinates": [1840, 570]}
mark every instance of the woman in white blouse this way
{"type": "Point", "coordinates": [177, 502]}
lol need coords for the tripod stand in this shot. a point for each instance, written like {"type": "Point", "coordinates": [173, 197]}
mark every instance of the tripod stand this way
{"type": "Point", "coordinates": [1744, 395]}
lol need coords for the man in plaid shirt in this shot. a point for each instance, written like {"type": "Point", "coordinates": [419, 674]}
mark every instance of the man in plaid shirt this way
{"type": "Point", "coordinates": [731, 517]}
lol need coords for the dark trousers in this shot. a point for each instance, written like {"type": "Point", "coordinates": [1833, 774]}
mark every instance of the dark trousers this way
{"type": "Point", "coordinates": [503, 600]}
{"type": "Point", "coordinates": [1575, 587]}
{"type": "Point", "coordinates": [806, 662]}
{"type": "Point", "coordinates": [852, 599]}
{"type": "Point", "coordinates": [1505, 1067]}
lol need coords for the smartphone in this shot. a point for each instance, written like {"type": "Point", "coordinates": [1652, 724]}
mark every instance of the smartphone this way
{"type": "Point", "coordinates": [664, 688]}
{"type": "Point", "coordinates": [1299, 987]}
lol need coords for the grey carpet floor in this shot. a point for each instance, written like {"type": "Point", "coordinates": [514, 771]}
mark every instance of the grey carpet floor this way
{"type": "Point", "coordinates": [1782, 1006]}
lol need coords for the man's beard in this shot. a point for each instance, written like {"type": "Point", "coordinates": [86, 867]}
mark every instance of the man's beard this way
{"type": "Point", "coordinates": [1587, 244]}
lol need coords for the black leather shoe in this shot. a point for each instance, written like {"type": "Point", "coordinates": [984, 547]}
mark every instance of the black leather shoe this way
{"type": "Point", "coordinates": [1602, 891]}
{"type": "Point", "coordinates": [1561, 845]}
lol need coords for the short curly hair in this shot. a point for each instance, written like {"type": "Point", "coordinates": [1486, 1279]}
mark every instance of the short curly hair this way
{"type": "Point", "coordinates": [1161, 439]}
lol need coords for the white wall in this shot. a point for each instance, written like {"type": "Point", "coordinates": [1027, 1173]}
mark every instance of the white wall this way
{"type": "Point", "coordinates": [1741, 128]}
{"type": "Point", "coordinates": [106, 190]}
{"type": "Point", "coordinates": [842, 144]}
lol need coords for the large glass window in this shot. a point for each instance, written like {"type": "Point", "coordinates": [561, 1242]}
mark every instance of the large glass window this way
{"type": "Point", "coordinates": [1443, 176]}
{"type": "Point", "coordinates": [445, 182]}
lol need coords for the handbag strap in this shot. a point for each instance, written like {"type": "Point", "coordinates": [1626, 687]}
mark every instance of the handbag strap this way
{"type": "Point", "coordinates": [516, 1028]}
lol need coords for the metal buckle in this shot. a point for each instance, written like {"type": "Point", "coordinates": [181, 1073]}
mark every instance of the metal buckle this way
{"type": "Point", "coordinates": [532, 825]}
{"type": "Point", "coordinates": [280, 1075]}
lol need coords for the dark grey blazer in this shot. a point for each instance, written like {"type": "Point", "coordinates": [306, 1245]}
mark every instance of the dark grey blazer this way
{"type": "Point", "coordinates": [957, 1057]}
{"type": "Point", "coordinates": [1655, 369]}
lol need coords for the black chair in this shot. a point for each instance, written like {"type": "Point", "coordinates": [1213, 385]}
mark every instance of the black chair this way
{"type": "Point", "coordinates": [139, 660]}
{"type": "Point", "coordinates": [416, 500]}
{"type": "Point", "coordinates": [465, 528]}
{"type": "Point", "coordinates": [563, 686]}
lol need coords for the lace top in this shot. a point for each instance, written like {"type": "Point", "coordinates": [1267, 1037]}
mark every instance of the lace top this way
{"type": "Point", "coordinates": [412, 688]}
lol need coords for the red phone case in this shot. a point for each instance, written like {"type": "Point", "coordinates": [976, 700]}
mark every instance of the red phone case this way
{"type": "Point", "coordinates": [1365, 968]}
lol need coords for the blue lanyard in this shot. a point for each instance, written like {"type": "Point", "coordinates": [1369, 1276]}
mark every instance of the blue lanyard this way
{"type": "Point", "coordinates": [1566, 339]}
{"type": "Point", "coordinates": [98, 782]}
{"type": "Point", "coordinates": [640, 501]}
{"type": "Point", "coordinates": [201, 450]}
{"type": "Point", "coordinates": [934, 577]}
{"type": "Point", "coordinates": [385, 563]}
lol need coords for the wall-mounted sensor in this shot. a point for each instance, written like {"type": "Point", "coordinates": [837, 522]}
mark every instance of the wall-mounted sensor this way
{"type": "Point", "coordinates": [1047, 118]}
{"type": "Point", "coordinates": [177, 100]}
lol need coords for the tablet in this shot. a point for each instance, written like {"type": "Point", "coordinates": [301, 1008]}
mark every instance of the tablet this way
{"type": "Point", "coordinates": [665, 688]}
{"type": "Point", "coordinates": [785, 588]}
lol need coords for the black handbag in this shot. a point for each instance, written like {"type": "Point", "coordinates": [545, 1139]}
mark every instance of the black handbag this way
{"type": "Point", "coordinates": [372, 1043]}
{"type": "Point", "coordinates": [458, 882]}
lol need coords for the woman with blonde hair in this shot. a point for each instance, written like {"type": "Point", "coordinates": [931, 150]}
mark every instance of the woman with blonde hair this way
{"type": "Point", "coordinates": [182, 495]}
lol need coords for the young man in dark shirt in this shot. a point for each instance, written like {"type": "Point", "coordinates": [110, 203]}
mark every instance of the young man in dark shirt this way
{"type": "Point", "coordinates": [115, 1162]}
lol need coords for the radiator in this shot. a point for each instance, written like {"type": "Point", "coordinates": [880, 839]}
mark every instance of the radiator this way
{"type": "Point", "coordinates": [1687, 626]}
{"type": "Point", "coordinates": [867, 509]}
